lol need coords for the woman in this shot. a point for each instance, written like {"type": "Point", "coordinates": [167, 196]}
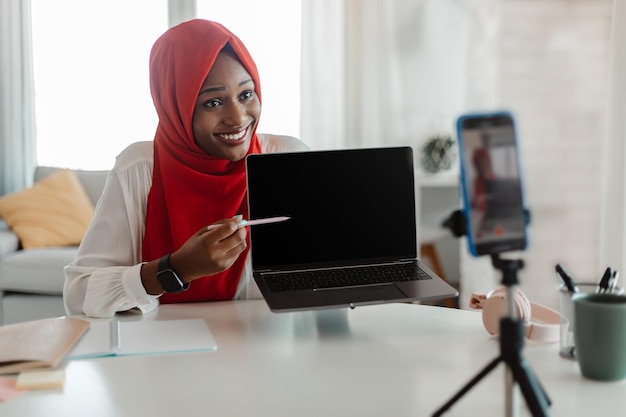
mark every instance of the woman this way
{"type": "Point", "coordinates": [481, 159]}
{"type": "Point", "coordinates": [148, 242]}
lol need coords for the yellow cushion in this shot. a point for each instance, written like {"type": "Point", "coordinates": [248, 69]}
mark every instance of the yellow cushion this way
{"type": "Point", "coordinates": [54, 212]}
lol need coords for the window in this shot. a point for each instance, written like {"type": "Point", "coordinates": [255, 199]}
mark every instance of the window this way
{"type": "Point", "coordinates": [273, 40]}
{"type": "Point", "coordinates": [92, 95]}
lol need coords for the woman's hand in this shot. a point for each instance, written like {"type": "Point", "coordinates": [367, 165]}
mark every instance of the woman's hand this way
{"type": "Point", "coordinates": [208, 252]}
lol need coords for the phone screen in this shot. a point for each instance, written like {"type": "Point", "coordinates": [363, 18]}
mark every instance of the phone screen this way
{"type": "Point", "coordinates": [491, 183]}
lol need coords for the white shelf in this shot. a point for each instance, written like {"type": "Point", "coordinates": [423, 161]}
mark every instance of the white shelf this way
{"type": "Point", "coordinates": [447, 179]}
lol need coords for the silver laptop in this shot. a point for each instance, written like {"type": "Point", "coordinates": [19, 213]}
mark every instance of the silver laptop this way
{"type": "Point", "coordinates": [351, 235]}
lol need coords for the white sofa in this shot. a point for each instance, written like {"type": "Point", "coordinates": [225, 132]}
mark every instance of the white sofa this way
{"type": "Point", "coordinates": [31, 281]}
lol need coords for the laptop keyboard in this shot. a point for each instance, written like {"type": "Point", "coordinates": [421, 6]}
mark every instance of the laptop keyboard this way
{"type": "Point", "coordinates": [344, 277]}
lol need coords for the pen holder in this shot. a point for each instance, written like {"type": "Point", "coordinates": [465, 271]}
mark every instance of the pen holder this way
{"type": "Point", "coordinates": [566, 308]}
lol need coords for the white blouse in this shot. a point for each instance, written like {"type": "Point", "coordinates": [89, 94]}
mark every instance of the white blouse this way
{"type": "Point", "coordinates": [104, 278]}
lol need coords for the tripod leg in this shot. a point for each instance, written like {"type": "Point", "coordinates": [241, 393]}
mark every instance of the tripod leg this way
{"type": "Point", "coordinates": [468, 386]}
{"type": "Point", "coordinates": [511, 343]}
{"type": "Point", "coordinates": [535, 381]}
{"type": "Point", "coordinates": [534, 394]}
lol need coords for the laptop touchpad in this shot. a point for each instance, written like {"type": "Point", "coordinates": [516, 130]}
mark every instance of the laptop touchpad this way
{"type": "Point", "coordinates": [361, 294]}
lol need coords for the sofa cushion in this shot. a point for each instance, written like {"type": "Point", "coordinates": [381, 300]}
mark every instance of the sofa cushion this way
{"type": "Point", "coordinates": [92, 181]}
{"type": "Point", "coordinates": [54, 212]}
{"type": "Point", "coordinates": [36, 271]}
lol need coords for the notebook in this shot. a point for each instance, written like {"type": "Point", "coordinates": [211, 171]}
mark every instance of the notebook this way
{"type": "Point", "coordinates": [113, 337]}
{"type": "Point", "coordinates": [350, 211]}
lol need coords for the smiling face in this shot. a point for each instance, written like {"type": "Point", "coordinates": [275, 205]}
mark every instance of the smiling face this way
{"type": "Point", "coordinates": [227, 110]}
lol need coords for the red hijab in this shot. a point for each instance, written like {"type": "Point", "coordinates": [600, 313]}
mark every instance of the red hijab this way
{"type": "Point", "coordinates": [190, 188]}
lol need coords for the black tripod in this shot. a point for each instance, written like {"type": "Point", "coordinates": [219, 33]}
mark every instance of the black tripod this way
{"type": "Point", "coordinates": [511, 344]}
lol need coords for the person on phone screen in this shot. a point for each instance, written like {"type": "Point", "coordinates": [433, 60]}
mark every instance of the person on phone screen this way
{"type": "Point", "coordinates": [148, 242]}
{"type": "Point", "coordinates": [481, 160]}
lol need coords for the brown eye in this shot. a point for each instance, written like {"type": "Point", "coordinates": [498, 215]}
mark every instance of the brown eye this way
{"type": "Point", "coordinates": [246, 95]}
{"type": "Point", "coordinates": [212, 103]}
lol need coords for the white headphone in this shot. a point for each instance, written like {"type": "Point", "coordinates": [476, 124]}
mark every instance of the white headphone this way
{"type": "Point", "coordinates": [541, 323]}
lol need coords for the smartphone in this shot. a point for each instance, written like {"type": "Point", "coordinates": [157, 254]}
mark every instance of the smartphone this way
{"type": "Point", "coordinates": [491, 183]}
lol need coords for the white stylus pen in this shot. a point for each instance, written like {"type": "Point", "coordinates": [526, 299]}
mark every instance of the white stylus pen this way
{"type": "Point", "coordinates": [254, 222]}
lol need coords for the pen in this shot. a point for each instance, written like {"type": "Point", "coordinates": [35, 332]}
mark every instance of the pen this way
{"type": "Point", "coordinates": [565, 278]}
{"type": "Point", "coordinates": [255, 222]}
{"type": "Point", "coordinates": [613, 281]}
{"type": "Point", "coordinates": [604, 281]}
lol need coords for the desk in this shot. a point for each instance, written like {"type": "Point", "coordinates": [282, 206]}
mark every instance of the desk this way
{"type": "Point", "coordinates": [384, 360]}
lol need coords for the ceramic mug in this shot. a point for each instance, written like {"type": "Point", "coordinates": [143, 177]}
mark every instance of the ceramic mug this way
{"type": "Point", "coordinates": [600, 335]}
{"type": "Point", "coordinates": [566, 308]}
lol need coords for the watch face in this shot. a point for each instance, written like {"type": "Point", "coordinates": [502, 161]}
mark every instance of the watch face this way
{"type": "Point", "coordinates": [170, 281]}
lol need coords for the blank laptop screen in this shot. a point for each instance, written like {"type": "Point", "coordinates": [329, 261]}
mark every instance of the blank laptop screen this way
{"type": "Point", "coordinates": [355, 205]}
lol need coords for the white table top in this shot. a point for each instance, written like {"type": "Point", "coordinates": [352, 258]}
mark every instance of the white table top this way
{"type": "Point", "coordinates": [384, 360]}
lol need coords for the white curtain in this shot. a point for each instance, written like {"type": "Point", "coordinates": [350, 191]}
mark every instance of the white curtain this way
{"type": "Point", "coordinates": [393, 73]}
{"type": "Point", "coordinates": [180, 11]}
{"type": "Point", "coordinates": [382, 72]}
{"type": "Point", "coordinates": [17, 115]}
{"type": "Point", "coordinates": [613, 219]}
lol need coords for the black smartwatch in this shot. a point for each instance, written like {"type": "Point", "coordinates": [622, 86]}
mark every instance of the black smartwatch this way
{"type": "Point", "coordinates": [170, 282]}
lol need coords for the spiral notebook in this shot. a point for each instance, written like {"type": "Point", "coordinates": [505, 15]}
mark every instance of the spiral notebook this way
{"type": "Point", "coordinates": [119, 338]}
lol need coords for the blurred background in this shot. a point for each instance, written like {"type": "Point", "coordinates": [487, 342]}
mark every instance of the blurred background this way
{"type": "Point", "coordinates": [357, 73]}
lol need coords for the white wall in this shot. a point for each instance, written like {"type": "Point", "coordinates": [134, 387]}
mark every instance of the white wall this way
{"type": "Point", "coordinates": [551, 70]}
